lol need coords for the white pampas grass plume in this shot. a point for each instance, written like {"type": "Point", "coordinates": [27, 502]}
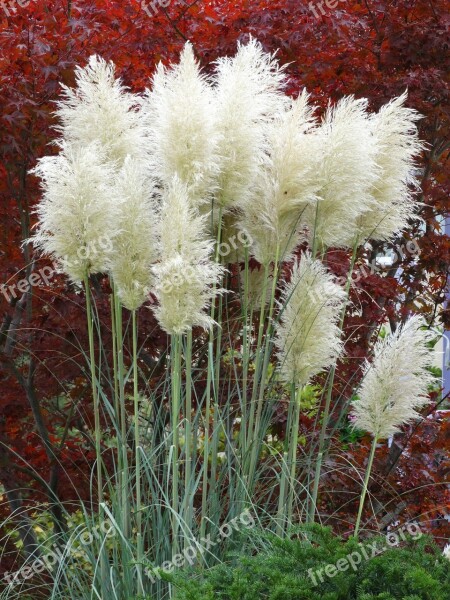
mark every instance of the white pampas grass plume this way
{"type": "Point", "coordinates": [395, 383]}
{"type": "Point", "coordinates": [99, 108]}
{"type": "Point", "coordinates": [346, 174]}
{"type": "Point", "coordinates": [248, 93]}
{"type": "Point", "coordinates": [179, 114]}
{"type": "Point", "coordinates": [308, 337]}
{"type": "Point", "coordinates": [272, 213]}
{"type": "Point", "coordinates": [396, 137]}
{"type": "Point", "coordinates": [135, 246]}
{"type": "Point", "coordinates": [186, 279]}
{"type": "Point", "coordinates": [77, 213]}
{"type": "Point", "coordinates": [446, 551]}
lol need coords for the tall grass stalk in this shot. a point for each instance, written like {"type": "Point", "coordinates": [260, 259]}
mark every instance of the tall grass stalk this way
{"type": "Point", "coordinates": [190, 449]}
{"type": "Point", "coordinates": [122, 428]}
{"type": "Point", "coordinates": [96, 400]}
{"type": "Point", "coordinates": [95, 393]}
{"type": "Point", "coordinates": [257, 378]}
{"type": "Point", "coordinates": [176, 405]}
{"type": "Point", "coordinates": [216, 416]}
{"type": "Point", "coordinates": [137, 448]}
{"type": "Point", "coordinates": [293, 445]}
{"type": "Point", "coordinates": [206, 439]}
{"type": "Point", "coordinates": [247, 321]}
{"type": "Point", "coordinates": [268, 343]}
{"type": "Point", "coordinates": [326, 411]}
{"type": "Point", "coordinates": [365, 486]}
{"type": "Point", "coordinates": [289, 462]}
{"type": "Point", "coordinates": [212, 387]}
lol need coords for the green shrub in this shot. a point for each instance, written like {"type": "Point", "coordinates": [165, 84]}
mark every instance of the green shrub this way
{"type": "Point", "coordinates": [287, 570]}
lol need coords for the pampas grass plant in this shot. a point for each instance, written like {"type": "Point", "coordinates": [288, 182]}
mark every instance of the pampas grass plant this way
{"type": "Point", "coordinates": [168, 177]}
{"type": "Point", "coordinates": [395, 387]}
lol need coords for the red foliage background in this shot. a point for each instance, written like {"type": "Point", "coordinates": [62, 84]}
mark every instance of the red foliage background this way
{"type": "Point", "coordinates": [372, 48]}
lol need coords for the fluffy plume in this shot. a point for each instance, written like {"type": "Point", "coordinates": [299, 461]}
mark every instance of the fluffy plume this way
{"type": "Point", "coordinates": [395, 384]}
{"type": "Point", "coordinates": [135, 247]}
{"type": "Point", "coordinates": [185, 277]}
{"type": "Point", "coordinates": [308, 337]}
{"type": "Point", "coordinates": [446, 551]}
{"type": "Point", "coordinates": [100, 109]}
{"type": "Point", "coordinates": [346, 174]}
{"type": "Point", "coordinates": [395, 133]}
{"type": "Point", "coordinates": [272, 214]}
{"type": "Point", "coordinates": [248, 94]}
{"type": "Point", "coordinates": [179, 114]}
{"type": "Point", "coordinates": [77, 214]}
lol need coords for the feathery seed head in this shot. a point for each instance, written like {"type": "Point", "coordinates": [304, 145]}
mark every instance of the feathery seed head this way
{"type": "Point", "coordinates": [395, 133]}
{"type": "Point", "coordinates": [286, 185]}
{"type": "Point", "coordinates": [100, 109]}
{"type": "Point", "coordinates": [179, 114]}
{"type": "Point", "coordinates": [308, 336]}
{"type": "Point", "coordinates": [135, 246]}
{"type": "Point", "coordinates": [77, 211]}
{"type": "Point", "coordinates": [185, 276]}
{"type": "Point", "coordinates": [346, 173]}
{"type": "Point", "coordinates": [395, 383]}
{"type": "Point", "coordinates": [248, 94]}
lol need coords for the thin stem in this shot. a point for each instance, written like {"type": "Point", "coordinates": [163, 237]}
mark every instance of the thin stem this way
{"type": "Point", "coordinates": [245, 348]}
{"type": "Point", "coordinates": [95, 394]}
{"type": "Point", "coordinates": [137, 443]}
{"type": "Point", "coordinates": [116, 388]}
{"type": "Point", "coordinates": [282, 496]}
{"type": "Point", "coordinates": [315, 238]}
{"type": "Point", "coordinates": [217, 422]}
{"type": "Point", "coordinates": [206, 438]}
{"type": "Point", "coordinates": [97, 424]}
{"type": "Point", "coordinates": [256, 377]}
{"type": "Point", "coordinates": [326, 412]}
{"type": "Point", "coordinates": [212, 376]}
{"type": "Point", "coordinates": [365, 486]}
{"type": "Point", "coordinates": [189, 460]}
{"type": "Point", "coordinates": [122, 413]}
{"type": "Point", "coordinates": [289, 460]}
{"type": "Point", "coordinates": [257, 435]}
{"type": "Point", "coordinates": [116, 381]}
{"type": "Point", "coordinates": [176, 398]}
{"type": "Point", "coordinates": [243, 440]}
{"type": "Point", "coordinates": [293, 443]}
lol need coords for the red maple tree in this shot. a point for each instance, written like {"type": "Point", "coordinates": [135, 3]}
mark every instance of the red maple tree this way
{"type": "Point", "coordinates": [373, 48]}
